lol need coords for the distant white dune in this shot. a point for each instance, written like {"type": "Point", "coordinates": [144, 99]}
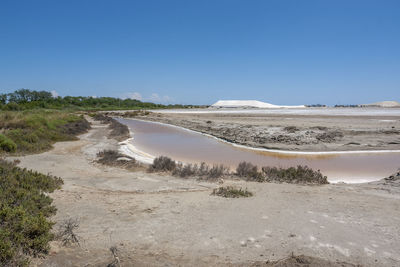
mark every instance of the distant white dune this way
{"type": "Point", "coordinates": [383, 104]}
{"type": "Point", "coordinates": [248, 104]}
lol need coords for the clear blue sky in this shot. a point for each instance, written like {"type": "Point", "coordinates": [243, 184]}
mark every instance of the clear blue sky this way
{"type": "Point", "coordinates": [282, 52]}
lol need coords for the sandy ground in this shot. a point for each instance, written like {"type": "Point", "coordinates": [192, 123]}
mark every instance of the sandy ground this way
{"type": "Point", "coordinates": [159, 220]}
{"type": "Point", "coordinates": [290, 131]}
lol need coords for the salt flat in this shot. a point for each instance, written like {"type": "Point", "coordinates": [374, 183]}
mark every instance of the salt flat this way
{"type": "Point", "coordinates": [292, 111]}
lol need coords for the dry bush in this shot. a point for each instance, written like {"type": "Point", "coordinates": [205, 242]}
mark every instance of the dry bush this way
{"type": "Point", "coordinates": [203, 171]}
{"type": "Point", "coordinates": [66, 232]}
{"type": "Point", "coordinates": [102, 118]}
{"type": "Point", "coordinates": [185, 170]}
{"type": "Point", "coordinates": [114, 158]}
{"type": "Point", "coordinates": [119, 131]}
{"type": "Point", "coordinates": [231, 192]}
{"type": "Point", "coordinates": [249, 171]}
{"type": "Point", "coordinates": [217, 171]}
{"type": "Point", "coordinates": [163, 164]}
{"type": "Point", "coordinates": [108, 156]}
{"type": "Point", "coordinates": [76, 127]}
{"type": "Point", "coordinates": [294, 175]}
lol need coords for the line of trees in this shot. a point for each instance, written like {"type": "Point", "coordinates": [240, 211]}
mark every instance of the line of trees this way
{"type": "Point", "coordinates": [23, 99]}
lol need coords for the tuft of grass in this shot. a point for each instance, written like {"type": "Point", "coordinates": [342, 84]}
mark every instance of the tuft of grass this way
{"type": "Point", "coordinates": [231, 192]}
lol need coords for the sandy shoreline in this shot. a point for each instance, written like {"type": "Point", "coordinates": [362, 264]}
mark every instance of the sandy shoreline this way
{"type": "Point", "coordinates": [156, 220]}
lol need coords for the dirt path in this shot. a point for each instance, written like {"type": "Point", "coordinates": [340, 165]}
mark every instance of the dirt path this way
{"type": "Point", "coordinates": [157, 220]}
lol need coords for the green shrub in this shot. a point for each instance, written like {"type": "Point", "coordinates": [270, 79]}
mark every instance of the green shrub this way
{"type": "Point", "coordinates": [6, 144]}
{"type": "Point", "coordinates": [24, 211]}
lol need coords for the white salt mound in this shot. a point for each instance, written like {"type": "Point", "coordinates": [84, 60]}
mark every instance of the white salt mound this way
{"type": "Point", "coordinates": [248, 104]}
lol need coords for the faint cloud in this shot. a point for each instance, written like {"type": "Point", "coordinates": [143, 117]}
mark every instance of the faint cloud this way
{"type": "Point", "coordinates": [132, 95]}
{"type": "Point", "coordinates": [54, 93]}
{"type": "Point", "coordinates": [161, 99]}
{"type": "Point", "coordinates": [154, 97]}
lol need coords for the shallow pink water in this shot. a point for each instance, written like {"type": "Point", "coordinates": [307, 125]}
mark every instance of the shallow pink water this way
{"type": "Point", "coordinates": [187, 146]}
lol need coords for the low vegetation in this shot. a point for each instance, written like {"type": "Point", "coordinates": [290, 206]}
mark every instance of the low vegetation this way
{"type": "Point", "coordinates": [114, 158]}
{"type": "Point", "coordinates": [162, 164]}
{"type": "Point", "coordinates": [245, 170]}
{"type": "Point", "coordinates": [101, 117]}
{"type": "Point", "coordinates": [231, 192]}
{"type": "Point", "coordinates": [249, 172]}
{"type": "Point", "coordinates": [6, 144]}
{"type": "Point", "coordinates": [294, 175]}
{"type": "Point", "coordinates": [136, 113]}
{"type": "Point", "coordinates": [119, 131]}
{"type": "Point", "coordinates": [202, 171]}
{"type": "Point", "coordinates": [66, 232]}
{"type": "Point", "coordinates": [25, 208]}
{"type": "Point", "coordinates": [36, 131]}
